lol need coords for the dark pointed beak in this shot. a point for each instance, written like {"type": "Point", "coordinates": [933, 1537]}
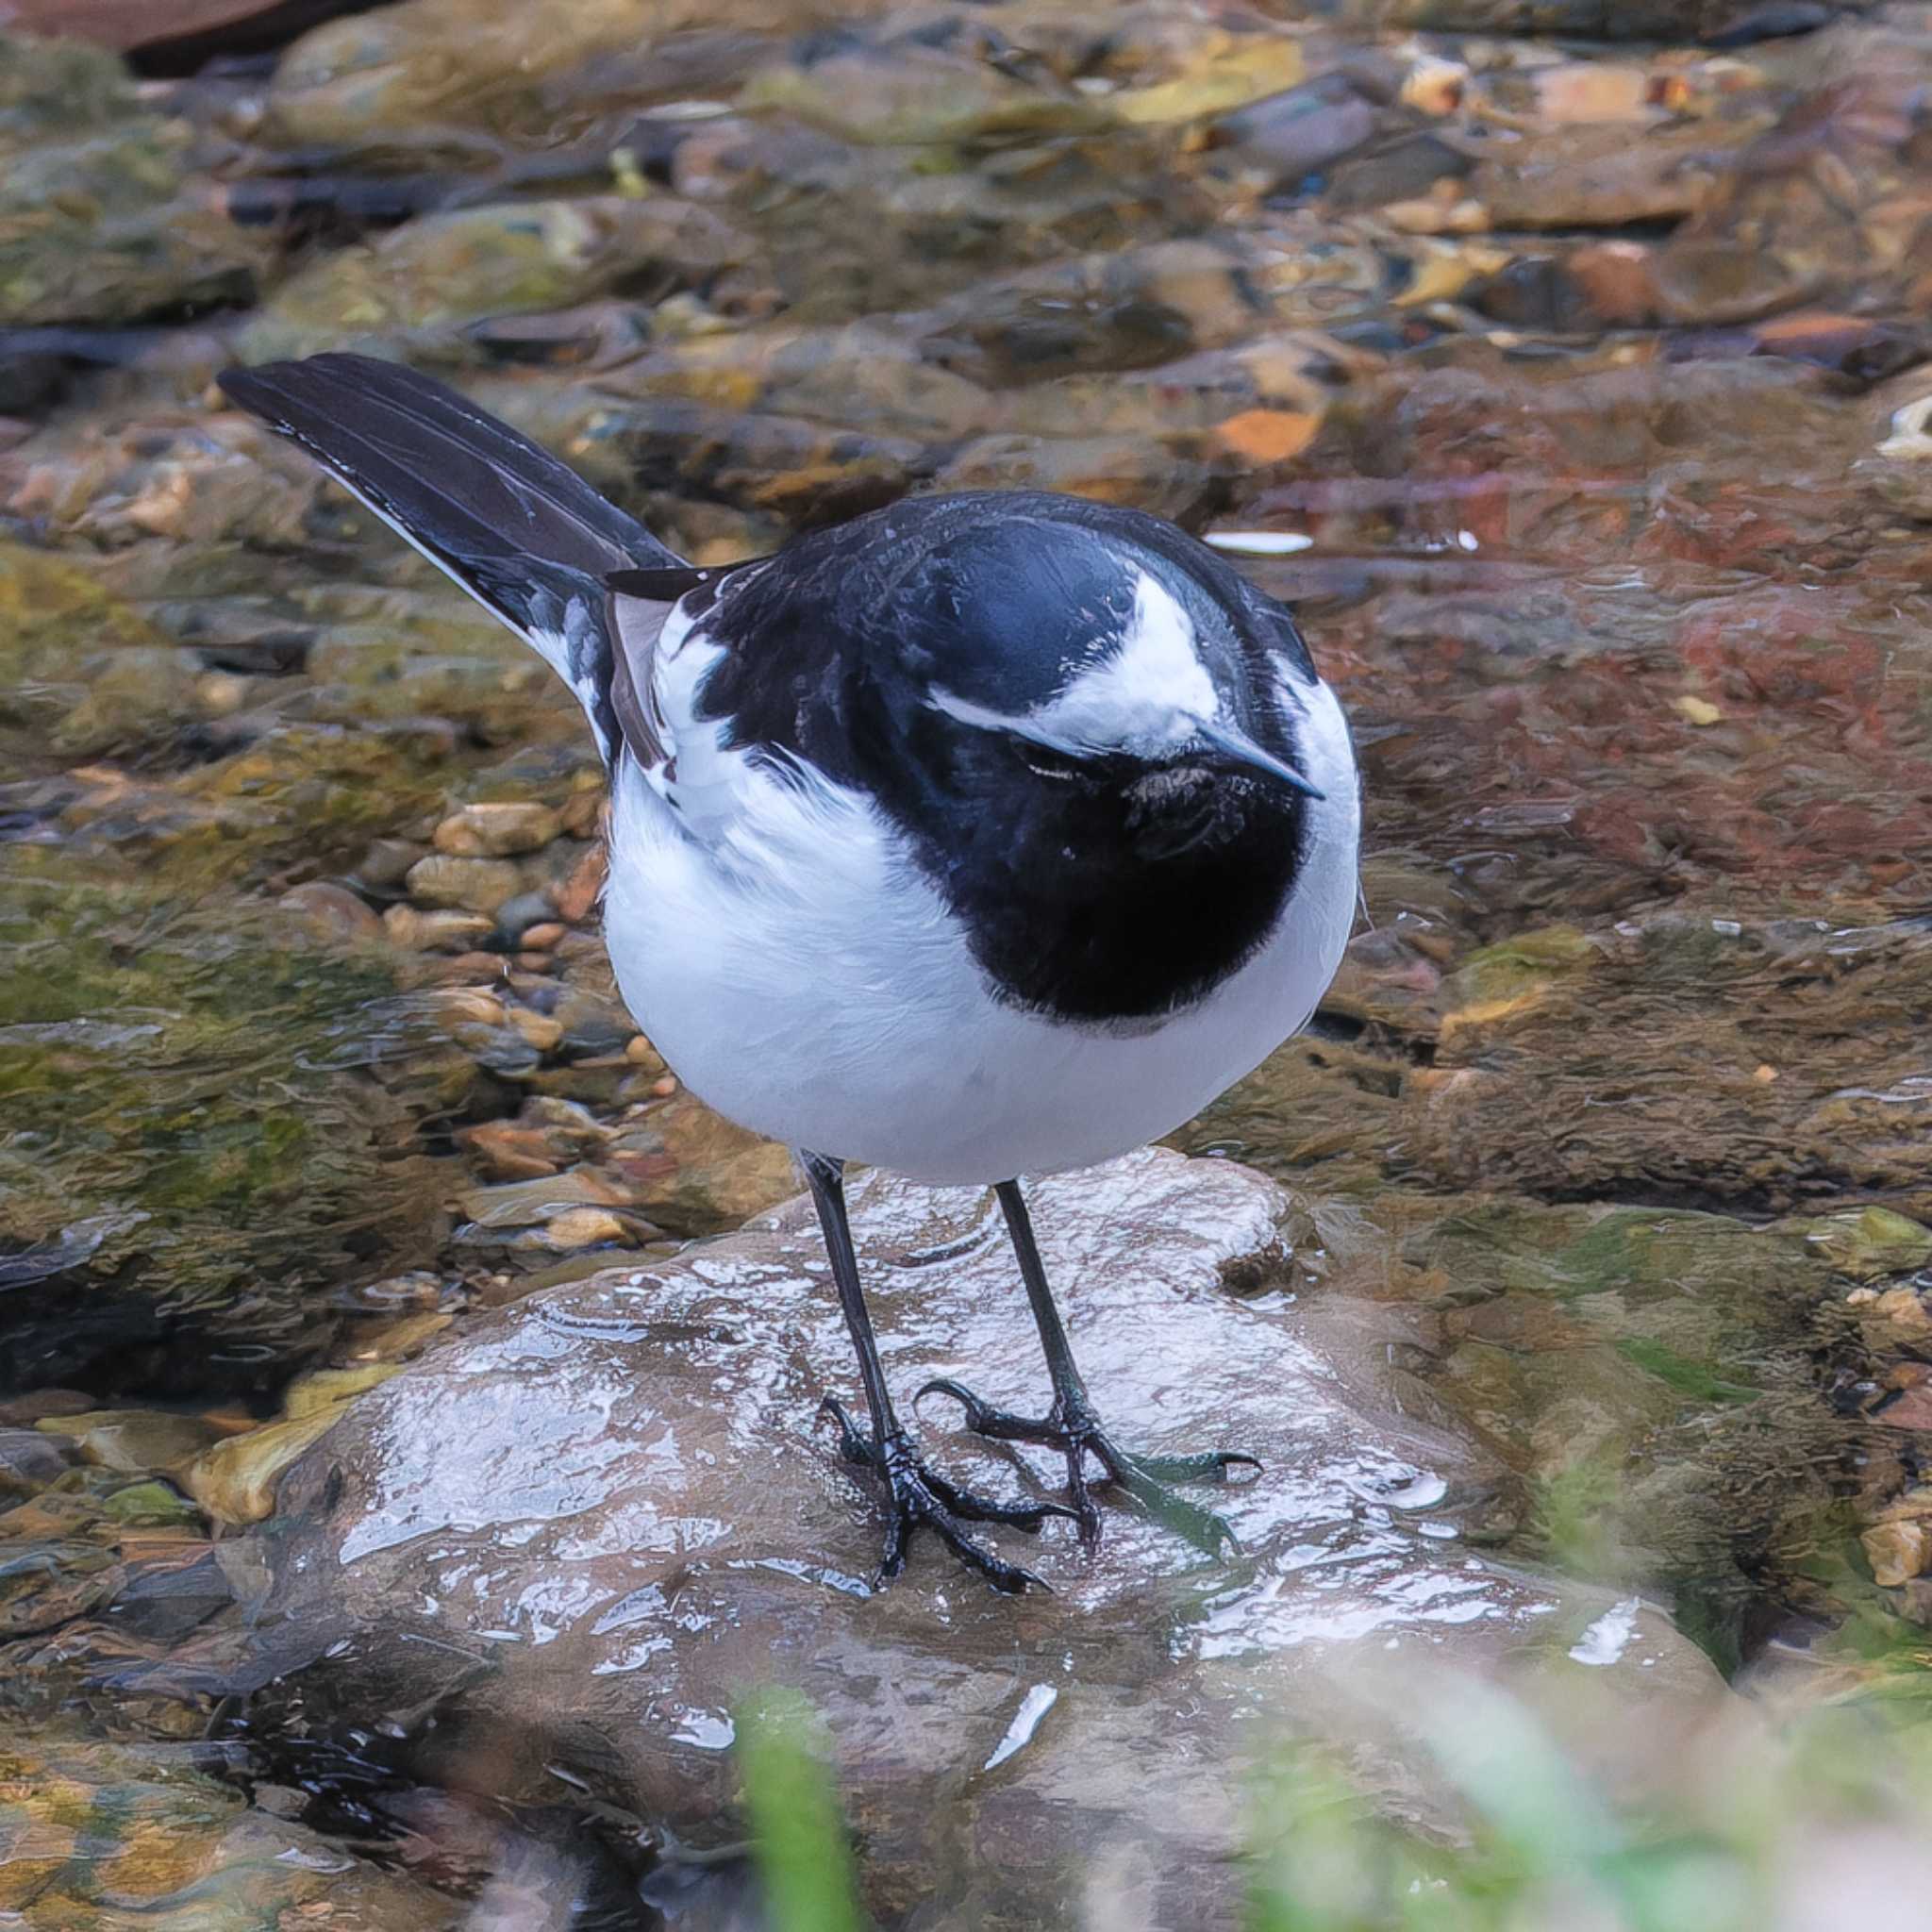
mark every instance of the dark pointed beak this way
{"type": "Point", "coordinates": [1243, 749]}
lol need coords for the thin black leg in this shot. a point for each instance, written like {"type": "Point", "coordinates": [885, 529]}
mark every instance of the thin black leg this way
{"type": "Point", "coordinates": [915, 1493]}
{"type": "Point", "coordinates": [1072, 1428]}
{"type": "Point", "coordinates": [826, 1179]}
{"type": "Point", "coordinates": [1046, 1314]}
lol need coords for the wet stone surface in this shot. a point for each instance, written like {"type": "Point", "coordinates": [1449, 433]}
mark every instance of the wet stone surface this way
{"type": "Point", "coordinates": [643, 1527]}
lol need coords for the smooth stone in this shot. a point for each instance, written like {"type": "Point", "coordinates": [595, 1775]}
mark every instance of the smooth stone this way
{"type": "Point", "coordinates": [1295, 133]}
{"type": "Point", "coordinates": [321, 1390]}
{"type": "Point", "coordinates": [331, 912]}
{"type": "Point", "coordinates": [29, 1460]}
{"type": "Point", "coordinates": [419, 931]}
{"type": "Point", "coordinates": [462, 885]}
{"type": "Point", "coordinates": [236, 1480]}
{"type": "Point", "coordinates": [134, 1438]}
{"type": "Point", "coordinates": [111, 1835]}
{"type": "Point", "coordinates": [603, 1515]}
{"type": "Point", "coordinates": [517, 915]}
{"type": "Point", "coordinates": [497, 829]}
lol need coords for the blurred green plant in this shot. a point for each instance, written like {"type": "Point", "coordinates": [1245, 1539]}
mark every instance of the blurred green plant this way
{"type": "Point", "coordinates": [798, 1834]}
{"type": "Point", "coordinates": [1545, 1845]}
{"type": "Point", "coordinates": [1548, 1849]}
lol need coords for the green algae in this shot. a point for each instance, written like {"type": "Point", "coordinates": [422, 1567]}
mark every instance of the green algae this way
{"type": "Point", "coordinates": [206, 1132]}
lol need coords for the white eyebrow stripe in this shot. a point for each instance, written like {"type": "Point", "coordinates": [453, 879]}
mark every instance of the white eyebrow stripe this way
{"type": "Point", "coordinates": [1148, 692]}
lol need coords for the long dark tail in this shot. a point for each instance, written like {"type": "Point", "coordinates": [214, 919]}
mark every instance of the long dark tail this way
{"type": "Point", "coordinates": [522, 533]}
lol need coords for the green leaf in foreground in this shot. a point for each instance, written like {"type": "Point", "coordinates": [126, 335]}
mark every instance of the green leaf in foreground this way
{"type": "Point", "coordinates": [798, 1834]}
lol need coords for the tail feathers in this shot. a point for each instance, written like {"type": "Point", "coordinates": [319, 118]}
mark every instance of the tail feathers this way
{"type": "Point", "coordinates": [524, 534]}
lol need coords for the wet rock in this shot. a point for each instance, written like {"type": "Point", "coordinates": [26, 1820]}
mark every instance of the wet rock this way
{"type": "Point", "coordinates": [497, 830]}
{"type": "Point", "coordinates": [331, 911]}
{"type": "Point", "coordinates": [1870, 1242]}
{"type": "Point", "coordinates": [387, 75]}
{"type": "Point", "coordinates": [235, 1481]}
{"type": "Point", "coordinates": [505, 1151]}
{"type": "Point", "coordinates": [1617, 282]}
{"type": "Point", "coordinates": [462, 885]}
{"type": "Point", "coordinates": [694, 1171]}
{"type": "Point", "coordinates": [201, 27]}
{"type": "Point", "coordinates": [661, 1533]}
{"type": "Point", "coordinates": [134, 1438]}
{"type": "Point", "coordinates": [1599, 177]}
{"type": "Point", "coordinates": [1123, 470]}
{"type": "Point", "coordinates": [29, 1460]}
{"type": "Point", "coordinates": [324, 1388]}
{"type": "Point", "coordinates": [386, 863]}
{"type": "Point", "coordinates": [1729, 1132]}
{"type": "Point", "coordinates": [524, 920]}
{"type": "Point", "coordinates": [91, 1832]}
{"type": "Point", "coordinates": [1893, 1318]}
{"type": "Point", "coordinates": [1219, 70]}
{"type": "Point", "coordinates": [440, 930]}
{"type": "Point", "coordinates": [1301, 130]}
{"type": "Point", "coordinates": [441, 271]}
{"type": "Point", "coordinates": [102, 216]}
{"type": "Point", "coordinates": [1401, 168]}
{"type": "Point", "coordinates": [62, 637]}
{"type": "Point", "coordinates": [915, 91]}
{"type": "Point", "coordinates": [205, 1132]}
{"type": "Point", "coordinates": [1592, 92]}
{"type": "Point", "coordinates": [1898, 1551]}
{"type": "Point", "coordinates": [1716, 282]}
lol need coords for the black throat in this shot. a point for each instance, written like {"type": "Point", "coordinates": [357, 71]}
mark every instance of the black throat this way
{"type": "Point", "coordinates": [1106, 891]}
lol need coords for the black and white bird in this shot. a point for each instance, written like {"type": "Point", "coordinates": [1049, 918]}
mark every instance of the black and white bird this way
{"type": "Point", "coordinates": [981, 836]}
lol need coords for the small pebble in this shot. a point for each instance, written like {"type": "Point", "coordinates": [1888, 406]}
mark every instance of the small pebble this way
{"type": "Point", "coordinates": [497, 830]}
{"type": "Point", "coordinates": [466, 884]}
{"type": "Point", "coordinates": [582, 812]}
{"type": "Point", "coordinates": [408, 926]}
{"type": "Point", "coordinates": [579, 1228]}
{"type": "Point", "coordinates": [331, 911]}
{"type": "Point", "coordinates": [470, 1006]}
{"type": "Point", "coordinates": [575, 896]}
{"type": "Point", "coordinates": [388, 861]}
{"type": "Point", "coordinates": [539, 1029]}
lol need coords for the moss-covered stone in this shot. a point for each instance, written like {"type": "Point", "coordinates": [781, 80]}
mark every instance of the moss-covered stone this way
{"type": "Point", "coordinates": [101, 218]}
{"type": "Point", "coordinates": [206, 1132]}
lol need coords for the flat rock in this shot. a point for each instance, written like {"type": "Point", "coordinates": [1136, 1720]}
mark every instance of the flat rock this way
{"type": "Point", "coordinates": [594, 1521]}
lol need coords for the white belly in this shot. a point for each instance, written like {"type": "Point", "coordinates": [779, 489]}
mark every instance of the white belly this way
{"type": "Point", "coordinates": [843, 1013]}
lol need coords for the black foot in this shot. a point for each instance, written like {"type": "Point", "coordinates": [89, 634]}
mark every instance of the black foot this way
{"type": "Point", "coordinates": [1074, 1430]}
{"type": "Point", "coordinates": [916, 1496]}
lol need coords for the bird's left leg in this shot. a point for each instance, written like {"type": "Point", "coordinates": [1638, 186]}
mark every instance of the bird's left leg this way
{"type": "Point", "coordinates": [916, 1494]}
{"type": "Point", "coordinates": [1072, 1428]}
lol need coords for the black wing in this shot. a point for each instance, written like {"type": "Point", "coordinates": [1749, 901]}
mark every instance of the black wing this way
{"type": "Point", "coordinates": [522, 533]}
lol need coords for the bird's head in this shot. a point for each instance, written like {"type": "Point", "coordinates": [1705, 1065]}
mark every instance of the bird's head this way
{"type": "Point", "coordinates": [1144, 707]}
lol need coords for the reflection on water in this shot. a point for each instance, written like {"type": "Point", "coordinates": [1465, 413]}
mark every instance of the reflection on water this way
{"type": "Point", "coordinates": [1574, 391]}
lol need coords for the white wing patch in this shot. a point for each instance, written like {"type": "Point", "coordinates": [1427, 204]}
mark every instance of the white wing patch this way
{"type": "Point", "coordinates": [700, 779]}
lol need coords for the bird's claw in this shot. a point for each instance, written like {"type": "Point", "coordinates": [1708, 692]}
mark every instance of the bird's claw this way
{"type": "Point", "coordinates": [1074, 1430]}
{"type": "Point", "coordinates": [918, 1495]}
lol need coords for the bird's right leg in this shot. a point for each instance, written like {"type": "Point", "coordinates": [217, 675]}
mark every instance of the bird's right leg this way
{"type": "Point", "coordinates": [916, 1494]}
